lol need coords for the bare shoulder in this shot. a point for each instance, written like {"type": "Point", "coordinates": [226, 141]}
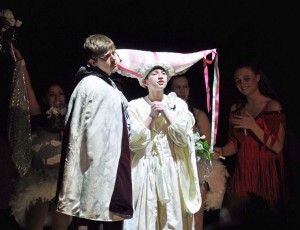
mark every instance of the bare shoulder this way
{"type": "Point", "coordinates": [203, 124]}
{"type": "Point", "coordinates": [273, 105]}
{"type": "Point", "coordinates": [200, 114]}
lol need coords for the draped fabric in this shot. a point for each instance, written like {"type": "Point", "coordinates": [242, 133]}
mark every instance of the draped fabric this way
{"type": "Point", "coordinates": [125, 108]}
{"type": "Point", "coordinates": [91, 152]}
{"type": "Point", "coordinates": [19, 131]}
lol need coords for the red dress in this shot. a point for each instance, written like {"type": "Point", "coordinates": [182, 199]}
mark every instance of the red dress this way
{"type": "Point", "coordinates": [259, 170]}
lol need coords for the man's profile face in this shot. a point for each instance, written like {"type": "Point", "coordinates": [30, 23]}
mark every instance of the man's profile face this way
{"type": "Point", "coordinates": [107, 62]}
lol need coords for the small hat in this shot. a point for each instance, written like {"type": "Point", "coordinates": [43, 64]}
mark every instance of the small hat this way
{"type": "Point", "coordinates": [138, 63]}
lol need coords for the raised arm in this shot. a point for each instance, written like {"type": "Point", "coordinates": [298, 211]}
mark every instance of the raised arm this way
{"type": "Point", "coordinates": [34, 107]}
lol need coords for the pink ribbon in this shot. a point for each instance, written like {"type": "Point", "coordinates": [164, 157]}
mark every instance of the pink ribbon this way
{"type": "Point", "coordinates": [214, 103]}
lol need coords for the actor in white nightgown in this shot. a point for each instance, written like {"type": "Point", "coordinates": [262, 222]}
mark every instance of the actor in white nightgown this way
{"type": "Point", "coordinates": [166, 190]}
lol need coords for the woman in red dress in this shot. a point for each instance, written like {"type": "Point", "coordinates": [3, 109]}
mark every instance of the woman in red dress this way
{"type": "Point", "coordinates": [256, 134]}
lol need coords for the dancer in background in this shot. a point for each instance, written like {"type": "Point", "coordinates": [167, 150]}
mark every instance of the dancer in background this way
{"type": "Point", "coordinates": [32, 201]}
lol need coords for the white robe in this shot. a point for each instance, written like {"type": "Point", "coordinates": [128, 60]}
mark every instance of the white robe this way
{"type": "Point", "coordinates": [166, 190]}
{"type": "Point", "coordinates": [93, 151]}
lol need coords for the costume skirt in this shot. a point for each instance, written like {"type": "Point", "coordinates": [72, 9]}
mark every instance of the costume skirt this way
{"type": "Point", "coordinates": [35, 185]}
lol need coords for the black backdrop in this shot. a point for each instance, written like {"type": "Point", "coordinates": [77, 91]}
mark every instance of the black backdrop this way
{"type": "Point", "coordinates": [52, 32]}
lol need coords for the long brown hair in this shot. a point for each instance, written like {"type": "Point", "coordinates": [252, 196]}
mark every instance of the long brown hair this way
{"type": "Point", "coordinates": [264, 85]}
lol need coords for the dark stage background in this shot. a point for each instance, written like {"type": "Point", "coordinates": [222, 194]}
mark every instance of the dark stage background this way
{"type": "Point", "coordinates": [52, 33]}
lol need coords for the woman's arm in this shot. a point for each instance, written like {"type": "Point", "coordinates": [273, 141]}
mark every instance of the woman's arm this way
{"type": "Point", "coordinates": [34, 107]}
{"type": "Point", "coordinates": [228, 149]}
{"type": "Point", "coordinates": [203, 124]}
{"type": "Point", "coordinates": [274, 141]}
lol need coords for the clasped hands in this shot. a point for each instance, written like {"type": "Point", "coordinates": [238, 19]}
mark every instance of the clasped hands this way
{"type": "Point", "coordinates": [157, 107]}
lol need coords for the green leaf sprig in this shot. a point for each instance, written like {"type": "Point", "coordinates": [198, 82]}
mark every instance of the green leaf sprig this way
{"type": "Point", "coordinates": [201, 146]}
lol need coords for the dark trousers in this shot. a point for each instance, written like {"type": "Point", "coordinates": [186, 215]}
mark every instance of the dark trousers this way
{"type": "Point", "coordinates": [96, 225]}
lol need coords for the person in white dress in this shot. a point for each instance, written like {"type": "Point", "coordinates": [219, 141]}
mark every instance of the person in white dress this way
{"type": "Point", "coordinates": [166, 191]}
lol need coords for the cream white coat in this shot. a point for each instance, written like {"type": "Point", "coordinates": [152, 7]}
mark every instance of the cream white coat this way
{"type": "Point", "coordinates": [93, 153]}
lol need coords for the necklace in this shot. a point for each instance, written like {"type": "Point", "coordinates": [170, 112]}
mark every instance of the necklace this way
{"type": "Point", "coordinates": [245, 132]}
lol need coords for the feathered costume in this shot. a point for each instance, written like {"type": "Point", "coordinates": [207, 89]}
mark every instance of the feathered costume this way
{"type": "Point", "coordinates": [215, 174]}
{"type": "Point", "coordinates": [41, 179]}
